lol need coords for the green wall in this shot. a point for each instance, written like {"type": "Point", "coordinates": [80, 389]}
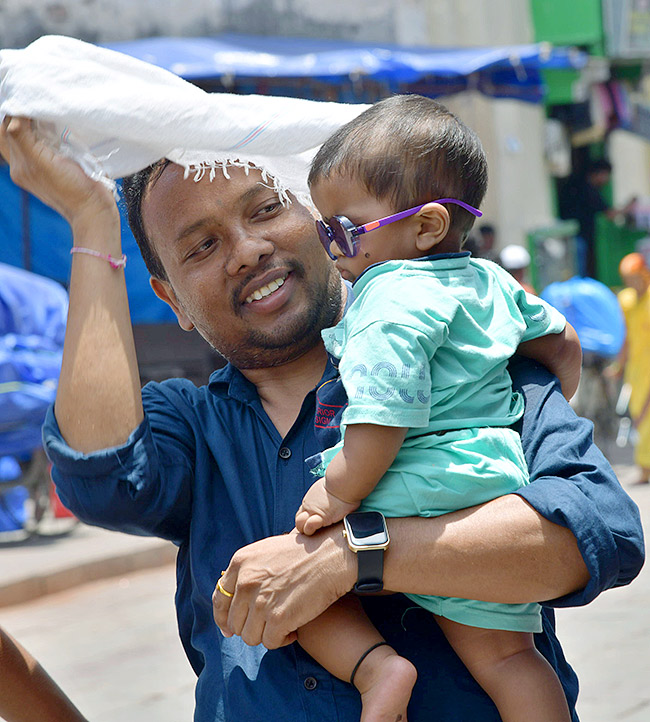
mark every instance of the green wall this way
{"type": "Point", "coordinates": [569, 22]}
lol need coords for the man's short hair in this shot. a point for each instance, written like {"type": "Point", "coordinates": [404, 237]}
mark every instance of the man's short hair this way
{"type": "Point", "coordinates": [410, 150]}
{"type": "Point", "coordinates": [133, 189]}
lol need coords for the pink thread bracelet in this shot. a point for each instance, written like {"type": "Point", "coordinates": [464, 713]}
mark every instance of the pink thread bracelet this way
{"type": "Point", "coordinates": [114, 262]}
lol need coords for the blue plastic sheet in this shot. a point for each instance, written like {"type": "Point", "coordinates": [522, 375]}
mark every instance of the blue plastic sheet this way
{"type": "Point", "coordinates": [32, 305]}
{"type": "Point", "coordinates": [511, 71]}
{"type": "Point", "coordinates": [593, 310]}
{"type": "Point", "coordinates": [33, 313]}
{"type": "Point", "coordinates": [13, 514]}
{"type": "Point", "coordinates": [44, 248]}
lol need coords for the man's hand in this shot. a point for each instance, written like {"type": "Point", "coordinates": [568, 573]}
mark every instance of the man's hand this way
{"type": "Point", "coordinates": [281, 583]}
{"type": "Point", "coordinates": [56, 180]}
{"type": "Point", "coordinates": [320, 508]}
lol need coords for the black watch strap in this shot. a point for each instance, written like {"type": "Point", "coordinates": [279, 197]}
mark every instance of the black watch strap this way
{"type": "Point", "coordinates": [370, 575]}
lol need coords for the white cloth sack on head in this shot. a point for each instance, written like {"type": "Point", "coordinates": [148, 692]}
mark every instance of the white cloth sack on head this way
{"type": "Point", "coordinates": [116, 115]}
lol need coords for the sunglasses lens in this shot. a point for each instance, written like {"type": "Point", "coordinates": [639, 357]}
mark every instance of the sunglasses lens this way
{"type": "Point", "coordinates": [343, 237]}
{"type": "Point", "coordinates": [324, 236]}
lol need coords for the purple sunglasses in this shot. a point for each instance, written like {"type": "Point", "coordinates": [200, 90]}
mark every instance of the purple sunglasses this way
{"type": "Point", "coordinates": [345, 234]}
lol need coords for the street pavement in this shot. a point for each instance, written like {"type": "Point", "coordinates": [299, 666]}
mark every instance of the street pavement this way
{"type": "Point", "coordinates": [608, 641]}
{"type": "Point", "coordinates": [113, 646]}
{"type": "Point", "coordinates": [96, 608]}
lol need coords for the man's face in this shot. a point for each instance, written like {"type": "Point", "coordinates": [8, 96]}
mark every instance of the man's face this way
{"type": "Point", "coordinates": [247, 272]}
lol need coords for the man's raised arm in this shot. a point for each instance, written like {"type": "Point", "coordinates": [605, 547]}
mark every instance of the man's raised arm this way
{"type": "Point", "coordinates": [98, 402]}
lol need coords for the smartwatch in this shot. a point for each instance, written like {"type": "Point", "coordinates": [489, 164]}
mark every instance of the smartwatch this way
{"type": "Point", "coordinates": [367, 537]}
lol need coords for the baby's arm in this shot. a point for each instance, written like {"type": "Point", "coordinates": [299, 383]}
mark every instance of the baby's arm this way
{"type": "Point", "coordinates": [560, 353]}
{"type": "Point", "coordinates": [368, 450]}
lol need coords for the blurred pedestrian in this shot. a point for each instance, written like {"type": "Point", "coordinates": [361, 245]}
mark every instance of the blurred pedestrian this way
{"type": "Point", "coordinates": [516, 260]}
{"type": "Point", "coordinates": [634, 360]}
{"type": "Point", "coordinates": [581, 198]}
{"type": "Point", "coordinates": [27, 692]}
{"type": "Point", "coordinates": [486, 241]}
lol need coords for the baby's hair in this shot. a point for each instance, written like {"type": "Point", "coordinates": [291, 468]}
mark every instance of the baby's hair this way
{"type": "Point", "coordinates": [410, 150]}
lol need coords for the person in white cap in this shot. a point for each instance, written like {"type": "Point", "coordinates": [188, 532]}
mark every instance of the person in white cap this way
{"type": "Point", "coordinates": [516, 260]}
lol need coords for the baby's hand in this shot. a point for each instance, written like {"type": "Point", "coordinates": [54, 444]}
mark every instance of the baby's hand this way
{"type": "Point", "coordinates": [320, 508]}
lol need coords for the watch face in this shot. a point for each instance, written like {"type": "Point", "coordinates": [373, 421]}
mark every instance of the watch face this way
{"type": "Point", "coordinates": [366, 529]}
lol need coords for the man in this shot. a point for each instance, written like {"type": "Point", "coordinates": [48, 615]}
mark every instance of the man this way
{"type": "Point", "coordinates": [516, 259]}
{"type": "Point", "coordinates": [220, 469]}
{"type": "Point", "coordinates": [581, 198]}
{"type": "Point", "coordinates": [487, 238]}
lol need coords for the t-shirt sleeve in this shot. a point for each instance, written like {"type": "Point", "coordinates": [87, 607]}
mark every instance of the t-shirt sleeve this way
{"type": "Point", "coordinates": [539, 316]}
{"type": "Point", "coordinates": [627, 300]}
{"type": "Point", "coordinates": [385, 369]}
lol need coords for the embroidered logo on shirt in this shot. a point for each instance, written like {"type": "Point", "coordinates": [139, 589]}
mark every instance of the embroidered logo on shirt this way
{"type": "Point", "coordinates": [330, 402]}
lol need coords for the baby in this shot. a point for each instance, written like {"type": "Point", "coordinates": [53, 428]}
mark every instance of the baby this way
{"type": "Point", "coordinates": [422, 353]}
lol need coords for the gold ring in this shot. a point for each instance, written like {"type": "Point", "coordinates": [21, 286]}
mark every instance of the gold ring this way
{"type": "Point", "coordinates": [223, 591]}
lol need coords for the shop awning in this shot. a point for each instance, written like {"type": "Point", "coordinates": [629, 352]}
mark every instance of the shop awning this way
{"type": "Point", "coordinates": [277, 64]}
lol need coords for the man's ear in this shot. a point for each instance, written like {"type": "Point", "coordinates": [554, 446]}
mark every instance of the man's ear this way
{"type": "Point", "coordinates": [434, 223]}
{"type": "Point", "coordinates": [165, 293]}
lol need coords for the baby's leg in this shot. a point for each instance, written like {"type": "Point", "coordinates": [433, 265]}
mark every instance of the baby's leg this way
{"type": "Point", "coordinates": [521, 683]}
{"type": "Point", "coordinates": [338, 640]}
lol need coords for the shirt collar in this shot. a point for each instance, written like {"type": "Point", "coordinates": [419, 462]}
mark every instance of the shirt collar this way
{"type": "Point", "coordinates": [432, 257]}
{"type": "Point", "coordinates": [229, 380]}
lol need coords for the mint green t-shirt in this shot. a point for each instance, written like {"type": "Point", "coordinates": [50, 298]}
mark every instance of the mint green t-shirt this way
{"type": "Point", "coordinates": [425, 345]}
{"type": "Point", "coordinates": [426, 342]}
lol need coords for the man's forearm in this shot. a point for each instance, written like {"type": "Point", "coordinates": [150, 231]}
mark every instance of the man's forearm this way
{"type": "Point", "coordinates": [98, 401]}
{"type": "Point", "coordinates": [503, 551]}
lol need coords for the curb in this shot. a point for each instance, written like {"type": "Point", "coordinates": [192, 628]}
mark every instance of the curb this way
{"type": "Point", "coordinates": [34, 586]}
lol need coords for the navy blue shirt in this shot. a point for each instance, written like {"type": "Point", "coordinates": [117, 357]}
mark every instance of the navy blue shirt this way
{"type": "Point", "coordinates": [208, 470]}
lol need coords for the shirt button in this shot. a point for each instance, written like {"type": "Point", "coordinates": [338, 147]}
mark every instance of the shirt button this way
{"type": "Point", "coordinates": [285, 453]}
{"type": "Point", "coordinates": [311, 683]}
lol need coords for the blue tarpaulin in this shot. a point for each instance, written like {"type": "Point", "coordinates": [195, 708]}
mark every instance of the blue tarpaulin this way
{"type": "Point", "coordinates": [34, 237]}
{"type": "Point", "coordinates": [593, 310]}
{"type": "Point", "coordinates": [33, 314]}
{"type": "Point", "coordinates": [511, 71]}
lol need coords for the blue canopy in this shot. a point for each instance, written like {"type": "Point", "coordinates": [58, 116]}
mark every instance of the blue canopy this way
{"type": "Point", "coordinates": [509, 71]}
{"type": "Point", "coordinates": [35, 237]}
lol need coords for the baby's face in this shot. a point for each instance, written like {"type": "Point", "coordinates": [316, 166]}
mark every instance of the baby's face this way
{"type": "Point", "coordinates": [342, 196]}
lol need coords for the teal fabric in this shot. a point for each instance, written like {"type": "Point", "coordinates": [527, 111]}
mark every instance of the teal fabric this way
{"type": "Point", "coordinates": [425, 345]}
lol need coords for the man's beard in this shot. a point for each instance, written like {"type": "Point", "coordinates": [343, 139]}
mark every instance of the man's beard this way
{"type": "Point", "coordinates": [260, 349]}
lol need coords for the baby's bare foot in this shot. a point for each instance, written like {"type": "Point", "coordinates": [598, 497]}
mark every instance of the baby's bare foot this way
{"type": "Point", "coordinates": [385, 681]}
